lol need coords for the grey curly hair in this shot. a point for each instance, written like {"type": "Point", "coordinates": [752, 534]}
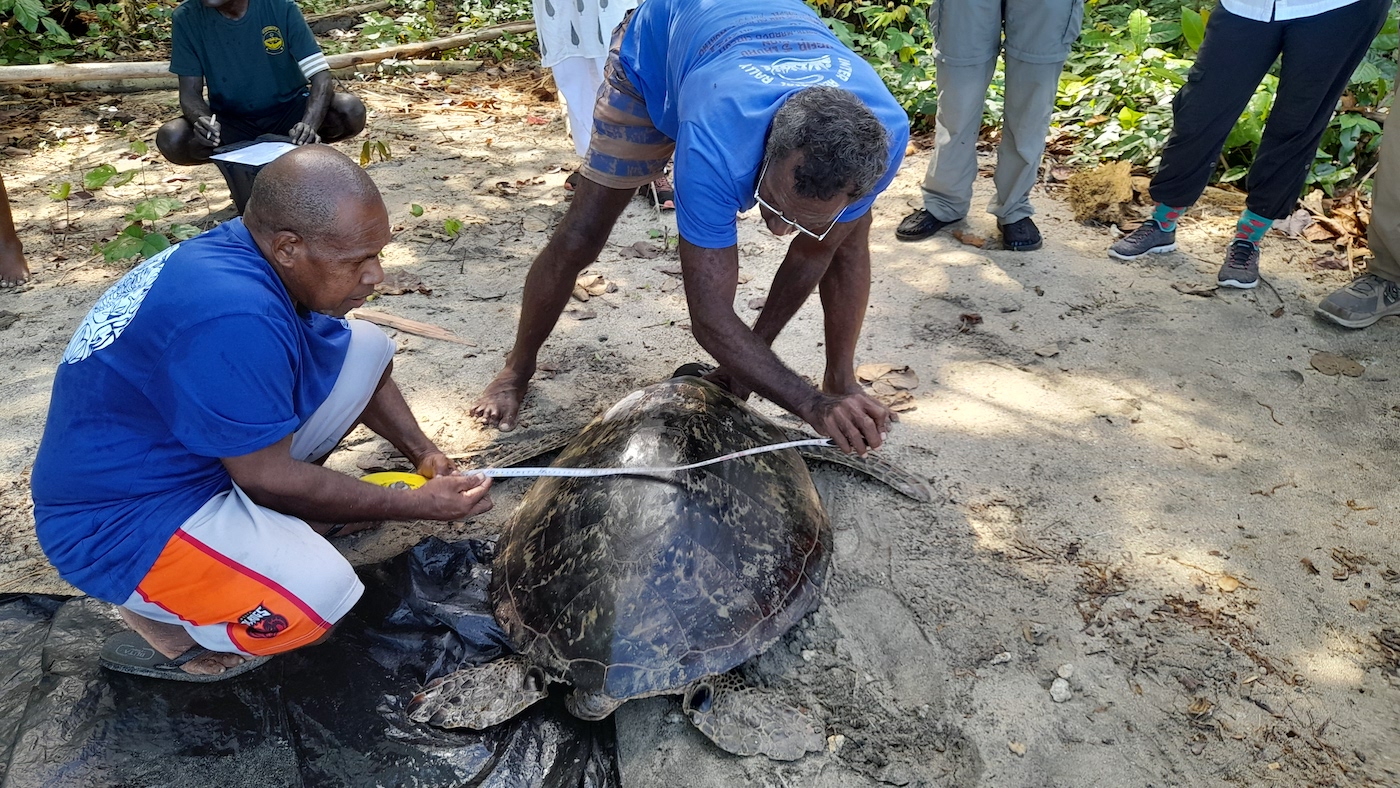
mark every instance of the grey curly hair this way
{"type": "Point", "coordinates": [844, 148]}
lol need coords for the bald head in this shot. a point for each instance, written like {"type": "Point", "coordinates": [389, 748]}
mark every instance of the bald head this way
{"type": "Point", "coordinates": [303, 191]}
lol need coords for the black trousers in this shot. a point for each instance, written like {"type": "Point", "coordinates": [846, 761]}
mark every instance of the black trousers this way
{"type": "Point", "coordinates": [1319, 55]}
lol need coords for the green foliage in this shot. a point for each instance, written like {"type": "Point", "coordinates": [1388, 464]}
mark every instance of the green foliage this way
{"type": "Point", "coordinates": [894, 37]}
{"type": "Point", "coordinates": [140, 238]}
{"type": "Point", "coordinates": [372, 147]}
{"type": "Point", "coordinates": [59, 191]}
{"type": "Point", "coordinates": [36, 32]}
{"type": "Point", "coordinates": [415, 209]}
{"type": "Point", "coordinates": [451, 227]}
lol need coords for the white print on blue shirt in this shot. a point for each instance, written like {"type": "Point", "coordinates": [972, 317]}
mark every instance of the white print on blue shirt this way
{"type": "Point", "coordinates": [798, 72]}
{"type": "Point", "coordinates": [115, 310]}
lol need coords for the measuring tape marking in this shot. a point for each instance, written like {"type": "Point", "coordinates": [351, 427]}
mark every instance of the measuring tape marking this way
{"type": "Point", "coordinates": [499, 473]}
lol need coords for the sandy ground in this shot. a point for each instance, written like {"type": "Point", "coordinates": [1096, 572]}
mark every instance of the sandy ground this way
{"type": "Point", "coordinates": [1153, 488]}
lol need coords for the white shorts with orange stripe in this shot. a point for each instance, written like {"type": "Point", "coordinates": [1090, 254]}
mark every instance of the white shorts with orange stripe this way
{"type": "Point", "coordinates": [241, 578]}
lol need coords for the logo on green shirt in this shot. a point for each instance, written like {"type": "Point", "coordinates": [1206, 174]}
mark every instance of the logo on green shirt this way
{"type": "Point", "coordinates": [272, 40]}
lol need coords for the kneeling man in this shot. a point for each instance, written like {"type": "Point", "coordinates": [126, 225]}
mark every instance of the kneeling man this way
{"type": "Point", "coordinates": [265, 74]}
{"type": "Point", "coordinates": [178, 475]}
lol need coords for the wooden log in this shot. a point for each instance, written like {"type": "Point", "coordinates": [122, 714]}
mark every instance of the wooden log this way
{"type": "Point", "coordinates": [339, 20]}
{"type": "Point", "coordinates": [71, 73]}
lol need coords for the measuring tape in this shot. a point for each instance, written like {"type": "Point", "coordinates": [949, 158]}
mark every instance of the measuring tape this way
{"type": "Point", "coordinates": [506, 473]}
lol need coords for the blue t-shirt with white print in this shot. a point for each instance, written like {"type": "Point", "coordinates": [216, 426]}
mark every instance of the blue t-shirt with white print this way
{"type": "Point", "coordinates": [714, 72]}
{"type": "Point", "coordinates": [196, 354]}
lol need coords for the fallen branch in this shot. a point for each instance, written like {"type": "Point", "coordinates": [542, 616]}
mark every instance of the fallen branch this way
{"type": "Point", "coordinates": [69, 73]}
{"type": "Point", "coordinates": [411, 326]}
{"type": "Point", "coordinates": [321, 24]}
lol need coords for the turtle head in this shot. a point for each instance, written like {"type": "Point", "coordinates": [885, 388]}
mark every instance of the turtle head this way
{"type": "Point", "coordinates": [590, 705]}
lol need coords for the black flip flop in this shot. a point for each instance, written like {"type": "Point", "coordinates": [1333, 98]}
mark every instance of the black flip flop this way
{"type": "Point", "coordinates": [128, 652]}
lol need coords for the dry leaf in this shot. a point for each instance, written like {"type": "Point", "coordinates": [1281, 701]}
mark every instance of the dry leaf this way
{"type": "Point", "coordinates": [757, 303]}
{"type": "Point", "coordinates": [1317, 232]}
{"type": "Point", "coordinates": [670, 270]}
{"type": "Point", "coordinates": [869, 373]}
{"type": "Point", "coordinates": [535, 120]}
{"type": "Point", "coordinates": [1228, 584]}
{"type": "Point", "coordinates": [1186, 288]}
{"type": "Point", "coordinates": [400, 282]}
{"type": "Point", "coordinates": [642, 249]}
{"type": "Point", "coordinates": [1060, 173]}
{"type": "Point", "coordinates": [1329, 262]}
{"type": "Point", "coordinates": [967, 320]}
{"type": "Point", "coordinates": [971, 239]}
{"type": "Point", "coordinates": [1295, 224]}
{"type": "Point", "coordinates": [580, 313]}
{"type": "Point", "coordinates": [1308, 565]}
{"type": "Point", "coordinates": [546, 371]}
{"type": "Point", "coordinates": [1200, 708]}
{"type": "Point", "coordinates": [1333, 365]}
{"type": "Point", "coordinates": [580, 293]}
{"type": "Point", "coordinates": [1049, 351]}
{"type": "Point", "coordinates": [410, 326]}
{"type": "Point", "coordinates": [596, 285]}
{"type": "Point", "coordinates": [1177, 443]}
{"type": "Point", "coordinates": [7, 319]}
{"type": "Point", "coordinates": [1360, 604]}
{"type": "Point", "coordinates": [902, 378]}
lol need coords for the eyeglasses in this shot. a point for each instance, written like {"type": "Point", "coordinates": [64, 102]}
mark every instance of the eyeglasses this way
{"type": "Point", "coordinates": [790, 222]}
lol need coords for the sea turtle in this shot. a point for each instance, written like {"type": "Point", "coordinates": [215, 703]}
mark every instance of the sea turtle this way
{"type": "Point", "coordinates": [633, 586]}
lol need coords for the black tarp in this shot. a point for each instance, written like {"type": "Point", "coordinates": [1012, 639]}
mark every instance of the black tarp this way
{"type": "Point", "coordinates": [329, 715]}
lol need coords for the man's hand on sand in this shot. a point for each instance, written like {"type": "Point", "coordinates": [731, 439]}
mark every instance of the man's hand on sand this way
{"type": "Point", "coordinates": [303, 134]}
{"type": "Point", "coordinates": [448, 498]}
{"type": "Point", "coordinates": [857, 423]}
{"type": "Point", "coordinates": [435, 464]}
{"type": "Point", "coordinates": [207, 130]}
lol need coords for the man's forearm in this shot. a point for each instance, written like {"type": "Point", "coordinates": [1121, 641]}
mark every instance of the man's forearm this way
{"type": "Point", "coordinates": [389, 417]}
{"type": "Point", "coordinates": [711, 276]}
{"type": "Point", "coordinates": [322, 88]}
{"type": "Point", "coordinates": [192, 103]}
{"type": "Point", "coordinates": [803, 267]}
{"type": "Point", "coordinates": [312, 492]}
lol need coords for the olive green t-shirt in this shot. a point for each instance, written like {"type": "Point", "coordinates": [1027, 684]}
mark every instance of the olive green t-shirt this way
{"type": "Point", "coordinates": [250, 65]}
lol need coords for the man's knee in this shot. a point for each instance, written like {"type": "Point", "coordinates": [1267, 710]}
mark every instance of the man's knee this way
{"type": "Point", "coordinates": [344, 118]}
{"type": "Point", "coordinates": [176, 142]}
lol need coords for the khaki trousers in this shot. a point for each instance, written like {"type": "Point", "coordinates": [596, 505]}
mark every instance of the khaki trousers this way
{"type": "Point", "coordinates": [1384, 231]}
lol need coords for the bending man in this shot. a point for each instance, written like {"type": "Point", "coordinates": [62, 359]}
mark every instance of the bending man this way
{"type": "Point", "coordinates": [178, 475]}
{"type": "Point", "coordinates": [761, 107]}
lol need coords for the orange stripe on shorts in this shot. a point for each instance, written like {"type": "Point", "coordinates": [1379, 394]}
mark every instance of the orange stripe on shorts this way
{"type": "Point", "coordinates": [200, 585]}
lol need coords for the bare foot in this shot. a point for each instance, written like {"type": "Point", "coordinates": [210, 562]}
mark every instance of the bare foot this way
{"type": "Point", "coordinates": [500, 403]}
{"type": "Point", "coordinates": [14, 271]}
{"type": "Point", "coordinates": [172, 641]}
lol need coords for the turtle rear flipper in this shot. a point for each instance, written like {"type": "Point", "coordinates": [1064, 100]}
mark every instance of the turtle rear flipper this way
{"type": "Point", "coordinates": [877, 468]}
{"type": "Point", "coordinates": [481, 696]}
{"type": "Point", "coordinates": [749, 721]}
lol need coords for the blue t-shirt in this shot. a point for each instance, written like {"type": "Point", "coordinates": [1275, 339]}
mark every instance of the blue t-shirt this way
{"type": "Point", "coordinates": [251, 65]}
{"type": "Point", "coordinates": [198, 353]}
{"type": "Point", "coordinates": [714, 72]}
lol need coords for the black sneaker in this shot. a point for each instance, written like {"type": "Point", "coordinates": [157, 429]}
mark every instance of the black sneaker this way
{"type": "Point", "coordinates": [1241, 268]}
{"type": "Point", "coordinates": [1148, 238]}
{"type": "Point", "coordinates": [1020, 236]}
{"type": "Point", "coordinates": [1363, 302]}
{"type": "Point", "coordinates": [919, 225]}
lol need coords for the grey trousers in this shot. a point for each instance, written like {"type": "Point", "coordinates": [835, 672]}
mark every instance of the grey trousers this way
{"type": "Point", "coordinates": [967, 39]}
{"type": "Point", "coordinates": [1383, 234]}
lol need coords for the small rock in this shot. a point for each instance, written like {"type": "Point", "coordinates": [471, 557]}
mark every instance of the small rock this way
{"type": "Point", "coordinates": [1016, 747]}
{"type": "Point", "coordinates": [1059, 691]}
{"type": "Point", "coordinates": [1198, 747]}
{"type": "Point", "coordinates": [835, 742]}
{"type": "Point", "coordinates": [673, 718]}
{"type": "Point", "coordinates": [1049, 351]}
{"type": "Point", "coordinates": [1065, 671]}
{"type": "Point", "coordinates": [1000, 659]}
{"type": "Point", "coordinates": [808, 655]}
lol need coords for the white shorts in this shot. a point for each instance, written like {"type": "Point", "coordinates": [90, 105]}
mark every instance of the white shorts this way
{"type": "Point", "coordinates": [241, 578]}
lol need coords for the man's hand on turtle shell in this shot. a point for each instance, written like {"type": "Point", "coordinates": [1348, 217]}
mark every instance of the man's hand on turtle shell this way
{"type": "Point", "coordinates": [857, 423]}
{"type": "Point", "coordinates": [446, 498]}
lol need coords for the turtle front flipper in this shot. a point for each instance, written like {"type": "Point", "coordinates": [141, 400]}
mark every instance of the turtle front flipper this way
{"type": "Point", "coordinates": [481, 696]}
{"type": "Point", "coordinates": [872, 465]}
{"type": "Point", "coordinates": [749, 721]}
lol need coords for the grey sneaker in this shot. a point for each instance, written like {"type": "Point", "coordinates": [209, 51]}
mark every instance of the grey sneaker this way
{"type": "Point", "coordinates": [1148, 238]}
{"type": "Point", "coordinates": [1367, 299]}
{"type": "Point", "coordinates": [1241, 267]}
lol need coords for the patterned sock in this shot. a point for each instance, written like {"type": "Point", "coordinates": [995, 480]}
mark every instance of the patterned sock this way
{"type": "Point", "coordinates": [1166, 216]}
{"type": "Point", "coordinates": [1252, 227]}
